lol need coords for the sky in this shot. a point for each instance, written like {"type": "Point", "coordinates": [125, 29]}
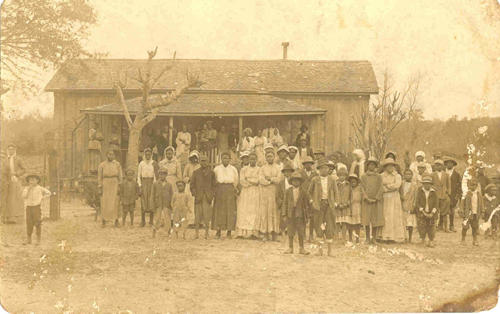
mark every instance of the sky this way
{"type": "Point", "coordinates": [450, 43]}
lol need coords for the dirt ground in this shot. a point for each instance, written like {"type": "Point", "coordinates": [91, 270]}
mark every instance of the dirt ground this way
{"type": "Point", "coordinates": [82, 268]}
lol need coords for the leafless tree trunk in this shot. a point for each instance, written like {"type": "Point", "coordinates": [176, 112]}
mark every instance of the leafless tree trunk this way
{"type": "Point", "coordinates": [374, 126]}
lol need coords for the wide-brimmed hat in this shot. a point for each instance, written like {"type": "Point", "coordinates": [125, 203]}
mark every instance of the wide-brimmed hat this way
{"type": "Point", "coordinates": [268, 146]}
{"type": "Point", "coordinates": [438, 162]}
{"type": "Point", "coordinates": [322, 163]}
{"type": "Point", "coordinates": [392, 153]}
{"type": "Point", "coordinates": [287, 167]}
{"type": "Point", "coordinates": [427, 179]}
{"type": "Point", "coordinates": [319, 151]}
{"type": "Point", "coordinates": [307, 159]}
{"type": "Point", "coordinates": [450, 159]}
{"type": "Point", "coordinates": [194, 153]}
{"type": "Point", "coordinates": [283, 148]}
{"type": "Point", "coordinates": [296, 176]}
{"type": "Point", "coordinates": [353, 176]}
{"type": "Point", "coordinates": [490, 186]}
{"type": "Point", "coordinates": [371, 160]}
{"type": "Point", "coordinates": [388, 161]}
{"type": "Point", "coordinates": [33, 175]}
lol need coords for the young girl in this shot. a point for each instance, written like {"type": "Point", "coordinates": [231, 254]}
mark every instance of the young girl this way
{"type": "Point", "coordinates": [180, 207]}
{"type": "Point", "coordinates": [372, 213]}
{"type": "Point", "coordinates": [408, 194]}
{"type": "Point", "coordinates": [354, 219]}
{"type": "Point", "coordinates": [343, 201]}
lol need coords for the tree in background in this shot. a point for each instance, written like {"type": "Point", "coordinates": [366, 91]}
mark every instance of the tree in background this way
{"type": "Point", "coordinates": [39, 34]}
{"type": "Point", "coordinates": [150, 104]}
{"type": "Point", "coordinates": [375, 124]}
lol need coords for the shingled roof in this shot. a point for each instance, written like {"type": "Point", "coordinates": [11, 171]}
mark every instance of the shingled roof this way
{"type": "Point", "coordinates": [215, 105]}
{"type": "Point", "coordinates": [287, 76]}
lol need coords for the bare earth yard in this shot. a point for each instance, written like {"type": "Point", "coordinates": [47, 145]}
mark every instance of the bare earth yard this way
{"type": "Point", "coordinates": [84, 268]}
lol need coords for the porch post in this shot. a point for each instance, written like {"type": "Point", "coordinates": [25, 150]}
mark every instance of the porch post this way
{"type": "Point", "coordinates": [240, 128]}
{"type": "Point", "coordinates": [322, 128]}
{"type": "Point", "coordinates": [170, 130]}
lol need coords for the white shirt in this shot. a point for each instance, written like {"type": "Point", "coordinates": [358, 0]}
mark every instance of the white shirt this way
{"type": "Point", "coordinates": [145, 170]}
{"type": "Point", "coordinates": [324, 188]}
{"type": "Point", "coordinates": [427, 192]}
{"type": "Point", "coordinates": [227, 174]}
{"type": "Point", "coordinates": [474, 202]}
{"type": "Point", "coordinates": [287, 185]}
{"type": "Point", "coordinates": [439, 173]}
{"type": "Point", "coordinates": [33, 195]}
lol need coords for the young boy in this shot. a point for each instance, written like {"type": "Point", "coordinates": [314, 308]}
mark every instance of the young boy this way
{"type": "Point", "coordinates": [472, 207]}
{"type": "Point", "coordinates": [202, 188]}
{"type": "Point", "coordinates": [129, 193]}
{"type": "Point", "coordinates": [295, 212]}
{"type": "Point", "coordinates": [426, 210]}
{"type": "Point", "coordinates": [180, 207]}
{"type": "Point", "coordinates": [323, 200]}
{"type": "Point", "coordinates": [308, 173]}
{"type": "Point", "coordinates": [33, 195]}
{"type": "Point", "coordinates": [162, 195]}
{"type": "Point", "coordinates": [408, 193]}
{"type": "Point", "coordinates": [490, 203]}
{"type": "Point", "coordinates": [281, 189]}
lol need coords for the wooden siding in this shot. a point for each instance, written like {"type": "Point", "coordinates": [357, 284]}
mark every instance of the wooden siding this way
{"type": "Point", "coordinates": [337, 130]}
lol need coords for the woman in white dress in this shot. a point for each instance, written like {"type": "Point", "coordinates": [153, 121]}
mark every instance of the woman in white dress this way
{"type": "Point", "coordinates": [183, 142]}
{"type": "Point", "coordinates": [247, 142]}
{"type": "Point", "coordinates": [276, 138]}
{"type": "Point", "coordinates": [394, 227]}
{"type": "Point", "coordinates": [249, 199]}
{"type": "Point", "coordinates": [260, 140]}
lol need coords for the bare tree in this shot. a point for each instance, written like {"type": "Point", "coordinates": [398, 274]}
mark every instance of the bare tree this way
{"type": "Point", "coordinates": [374, 126]}
{"type": "Point", "coordinates": [150, 104]}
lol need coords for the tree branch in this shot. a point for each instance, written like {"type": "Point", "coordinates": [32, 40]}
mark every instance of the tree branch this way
{"type": "Point", "coordinates": [122, 102]}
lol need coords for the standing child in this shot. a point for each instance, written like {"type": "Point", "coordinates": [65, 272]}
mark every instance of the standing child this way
{"type": "Point", "coordinates": [490, 203]}
{"type": "Point", "coordinates": [472, 207]}
{"type": "Point", "coordinates": [354, 217]}
{"type": "Point", "coordinates": [343, 210]}
{"type": "Point", "coordinates": [441, 183]}
{"type": "Point", "coordinates": [33, 195]}
{"type": "Point", "coordinates": [426, 207]}
{"type": "Point", "coordinates": [295, 212]}
{"type": "Point", "coordinates": [129, 193]}
{"type": "Point", "coordinates": [372, 213]}
{"type": "Point", "coordinates": [162, 194]}
{"type": "Point", "coordinates": [180, 207]}
{"type": "Point", "coordinates": [408, 194]}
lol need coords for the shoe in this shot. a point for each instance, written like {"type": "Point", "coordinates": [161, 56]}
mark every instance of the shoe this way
{"type": "Point", "coordinates": [289, 251]}
{"type": "Point", "coordinates": [303, 252]}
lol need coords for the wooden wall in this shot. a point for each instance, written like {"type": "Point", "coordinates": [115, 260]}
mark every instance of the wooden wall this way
{"type": "Point", "coordinates": [338, 128]}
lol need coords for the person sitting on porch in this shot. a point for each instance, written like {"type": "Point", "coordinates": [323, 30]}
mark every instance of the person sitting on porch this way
{"type": "Point", "coordinates": [260, 141]}
{"type": "Point", "coordinates": [212, 138]}
{"type": "Point", "coordinates": [203, 138]}
{"type": "Point", "coordinates": [172, 165]}
{"type": "Point", "coordinates": [304, 150]}
{"type": "Point", "coordinates": [303, 135]}
{"type": "Point", "coordinates": [183, 142]}
{"type": "Point", "coordinates": [222, 141]}
{"type": "Point", "coordinates": [247, 142]}
{"type": "Point", "coordinates": [276, 139]}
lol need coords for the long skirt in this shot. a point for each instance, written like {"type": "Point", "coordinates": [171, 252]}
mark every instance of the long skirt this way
{"type": "Point", "coordinates": [248, 205]}
{"type": "Point", "coordinates": [355, 217]}
{"type": "Point", "coordinates": [224, 216]}
{"type": "Point", "coordinates": [394, 226]}
{"type": "Point", "coordinates": [14, 209]}
{"type": "Point", "coordinates": [147, 205]}
{"type": "Point", "coordinates": [410, 219]}
{"type": "Point", "coordinates": [268, 218]}
{"type": "Point", "coordinates": [110, 199]}
{"type": "Point", "coordinates": [173, 181]}
{"type": "Point", "coordinates": [372, 214]}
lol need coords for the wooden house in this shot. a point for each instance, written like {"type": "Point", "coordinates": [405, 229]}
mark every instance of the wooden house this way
{"type": "Point", "coordinates": [323, 95]}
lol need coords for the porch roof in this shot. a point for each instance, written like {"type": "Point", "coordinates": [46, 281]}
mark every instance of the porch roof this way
{"type": "Point", "coordinates": [214, 105]}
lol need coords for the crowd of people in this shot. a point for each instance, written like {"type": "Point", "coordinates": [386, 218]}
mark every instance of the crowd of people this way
{"type": "Point", "coordinates": [278, 190]}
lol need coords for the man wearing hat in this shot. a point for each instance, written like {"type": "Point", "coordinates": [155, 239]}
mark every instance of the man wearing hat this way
{"type": "Point", "coordinates": [281, 188]}
{"type": "Point", "coordinates": [202, 188]}
{"type": "Point", "coordinates": [295, 211]}
{"type": "Point", "coordinates": [13, 211]}
{"type": "Point", "coordinates": [426, 207]}
{"type": "Point", "coordinates": [33, 195]}
{"type": "Point", "coordinates": [147, 172]}
{"type": "Point", "coordinates": [308, 173]}
{"type": "Point", "coordinates": [441, 183]}
{"type": "Point", "coordinates": [455, 185]}
{"type": "Point", "coordinates": [324, 193]}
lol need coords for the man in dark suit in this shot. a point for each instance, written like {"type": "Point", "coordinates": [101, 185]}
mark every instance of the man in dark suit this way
{"type": "Point", "coordinates": [202, 188]}
{"type": "Point", "coordinates": [281, 189]}
{"type": "Point", "coordinates": [308, 173]}
{"type": "Point", "coordinates": [455, 185]}
{"type": "Point", "coordinates": [440, 183]}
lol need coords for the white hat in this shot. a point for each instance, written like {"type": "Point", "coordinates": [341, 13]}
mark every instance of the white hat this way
{"type": "Point", "coordinates": [269, 146]}
{"type": "Point", "coordinates": [194, 153]}
{"type": "Point", "coordinates": [283, 147]}
{"type": "Point", "coordinates": [293, 147]}
{"type": "Point", "coordinates": [420, 153]}
{"type": "Point", "coordinates": [244, 154]}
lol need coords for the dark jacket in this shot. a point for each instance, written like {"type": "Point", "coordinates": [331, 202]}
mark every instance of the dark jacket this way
{"type": "Point", "coordinates": [162, 195]}
{"type": "Point", "coordinates": [307, 178]}
{"type": "Point", "coordinates": [302, 203]}
{"type": "Point", "coordinates": [467, 205]}
{"type": "Point", "coordinates": [315, 191]}
{"type": "Point", "coordinates": [455, 188]}
{"type": "Point", "coordinates": [441, 185]}
{"type": "Point", "coordinates": [129, 192]}
{"type": "Point", "coordinates": [280, 195]}
{"type": "Point", "coordinates": [421, 202]}
{"type": "Point", "coordinates": [202, 185]}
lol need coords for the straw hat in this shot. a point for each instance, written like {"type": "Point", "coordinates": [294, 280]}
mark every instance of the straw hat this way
{"type": "Point", "coordinates": [307, 159]}
{"type": "Point", "coordinates": [450, 159]}
{"type": "Point", "coordinates": [287, 167]}
{"type": "Point", "coordinates": [387, 162]}
{"type": "Point", "coordinates": [427, 179]}
{"type": "Point", "coordinates": [372, 160]}
{"type": "Point", "coordinates": [296, 176]}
